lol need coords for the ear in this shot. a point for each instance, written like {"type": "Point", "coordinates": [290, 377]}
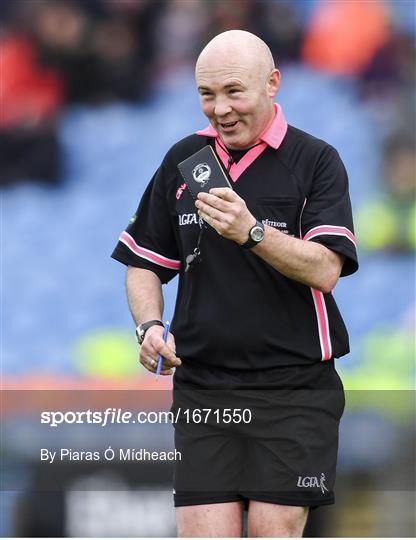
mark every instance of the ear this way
{"type": "Point", "coordinates": [273, 83]}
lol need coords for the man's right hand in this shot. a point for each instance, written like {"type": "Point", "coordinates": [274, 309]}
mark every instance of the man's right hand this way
{"type": "Point", "coordinates": [153, 345]}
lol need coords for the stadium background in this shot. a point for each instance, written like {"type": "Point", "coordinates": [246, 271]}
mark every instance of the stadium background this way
{"type": "Point", "coordinates": [93, 94]}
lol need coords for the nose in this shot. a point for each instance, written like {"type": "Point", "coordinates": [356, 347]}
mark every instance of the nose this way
{"type": "Point", "coordinates": [222, 107]}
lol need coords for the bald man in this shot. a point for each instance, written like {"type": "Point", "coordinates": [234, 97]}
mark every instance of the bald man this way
{"type": "Point", "coordinates": [256, 329]}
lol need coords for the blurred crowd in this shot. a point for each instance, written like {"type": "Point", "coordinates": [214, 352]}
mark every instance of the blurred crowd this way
{"type": "Point", "coordinates": [57, 53]}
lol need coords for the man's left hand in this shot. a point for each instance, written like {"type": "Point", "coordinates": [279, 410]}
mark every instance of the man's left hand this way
{"type": "Point", "coordinates": [227, 213]}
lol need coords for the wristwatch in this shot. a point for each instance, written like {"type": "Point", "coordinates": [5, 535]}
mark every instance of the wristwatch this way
{"type": "Point", "coordinates": [255, 235]}
{"type": "Point", "coordinates": [143, 328]}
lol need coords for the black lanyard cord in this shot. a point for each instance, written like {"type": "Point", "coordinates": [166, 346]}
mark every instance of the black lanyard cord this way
{"type": "Point", "coordinates": [195, 257]}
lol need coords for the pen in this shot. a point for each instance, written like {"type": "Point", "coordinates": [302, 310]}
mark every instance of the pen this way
{"type": "Point", "coordinates": [160, 360]}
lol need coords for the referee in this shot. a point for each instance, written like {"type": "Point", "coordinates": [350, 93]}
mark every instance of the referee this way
{"type": "Point", "coordinates": [256, 327]}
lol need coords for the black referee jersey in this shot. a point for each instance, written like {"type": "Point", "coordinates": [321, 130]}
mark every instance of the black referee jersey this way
{"type": "Point", "coordinates": [234, 311]}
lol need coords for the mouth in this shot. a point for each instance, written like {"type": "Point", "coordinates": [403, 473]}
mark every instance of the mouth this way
{"type": "Point", "coordinates": [228, 126]}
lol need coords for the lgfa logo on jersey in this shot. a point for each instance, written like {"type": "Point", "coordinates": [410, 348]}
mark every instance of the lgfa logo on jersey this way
{"type": "Point", "coordinates": [201, 173]}
{"type": "Point", "coordinates": [190, 219]}
{"type": "Point", "coordinates": [313, 481]}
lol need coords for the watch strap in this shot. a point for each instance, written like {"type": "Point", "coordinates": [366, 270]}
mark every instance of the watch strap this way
{"type": "Point", "coordinates": [144, 327]}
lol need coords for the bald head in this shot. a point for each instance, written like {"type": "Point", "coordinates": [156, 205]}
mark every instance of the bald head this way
{"type": "Point", "coordinates": [237, 47]}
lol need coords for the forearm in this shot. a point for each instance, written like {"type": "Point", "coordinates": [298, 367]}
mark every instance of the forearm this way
{"type": "Point", "coordinates": [144, 295]}
{"type": "Point", "coordinates": [307, 262]}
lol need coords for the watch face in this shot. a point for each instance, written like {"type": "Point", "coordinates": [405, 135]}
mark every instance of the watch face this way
{"type": "Point", "coordinates": [257, 234]}
{"type": "Point", "coordinates": [140, 334]}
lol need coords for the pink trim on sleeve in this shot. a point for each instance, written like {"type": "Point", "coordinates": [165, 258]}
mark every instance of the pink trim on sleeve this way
{"type": "Point", "coordinates": [147, 254]}
{"type": "Point", "coordinates": [332, 230]}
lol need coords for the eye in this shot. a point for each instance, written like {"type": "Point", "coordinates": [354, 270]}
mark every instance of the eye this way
{"type": "Point", "coordinates": [235, 91]}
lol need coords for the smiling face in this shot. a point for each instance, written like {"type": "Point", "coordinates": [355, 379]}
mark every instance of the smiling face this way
{"type": "Point", "coordinates": [237, 83]}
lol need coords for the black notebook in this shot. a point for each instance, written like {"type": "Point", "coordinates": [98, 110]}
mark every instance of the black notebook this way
{"type": "Point", "coordinates": [202, 171]}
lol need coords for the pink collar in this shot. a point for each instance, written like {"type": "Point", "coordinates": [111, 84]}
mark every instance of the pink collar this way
{"type": "Point", "coordinates": [272, 137]}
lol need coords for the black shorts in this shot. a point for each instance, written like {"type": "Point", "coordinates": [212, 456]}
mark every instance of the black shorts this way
{"type": "Point", "coordinates": [276, 445]}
